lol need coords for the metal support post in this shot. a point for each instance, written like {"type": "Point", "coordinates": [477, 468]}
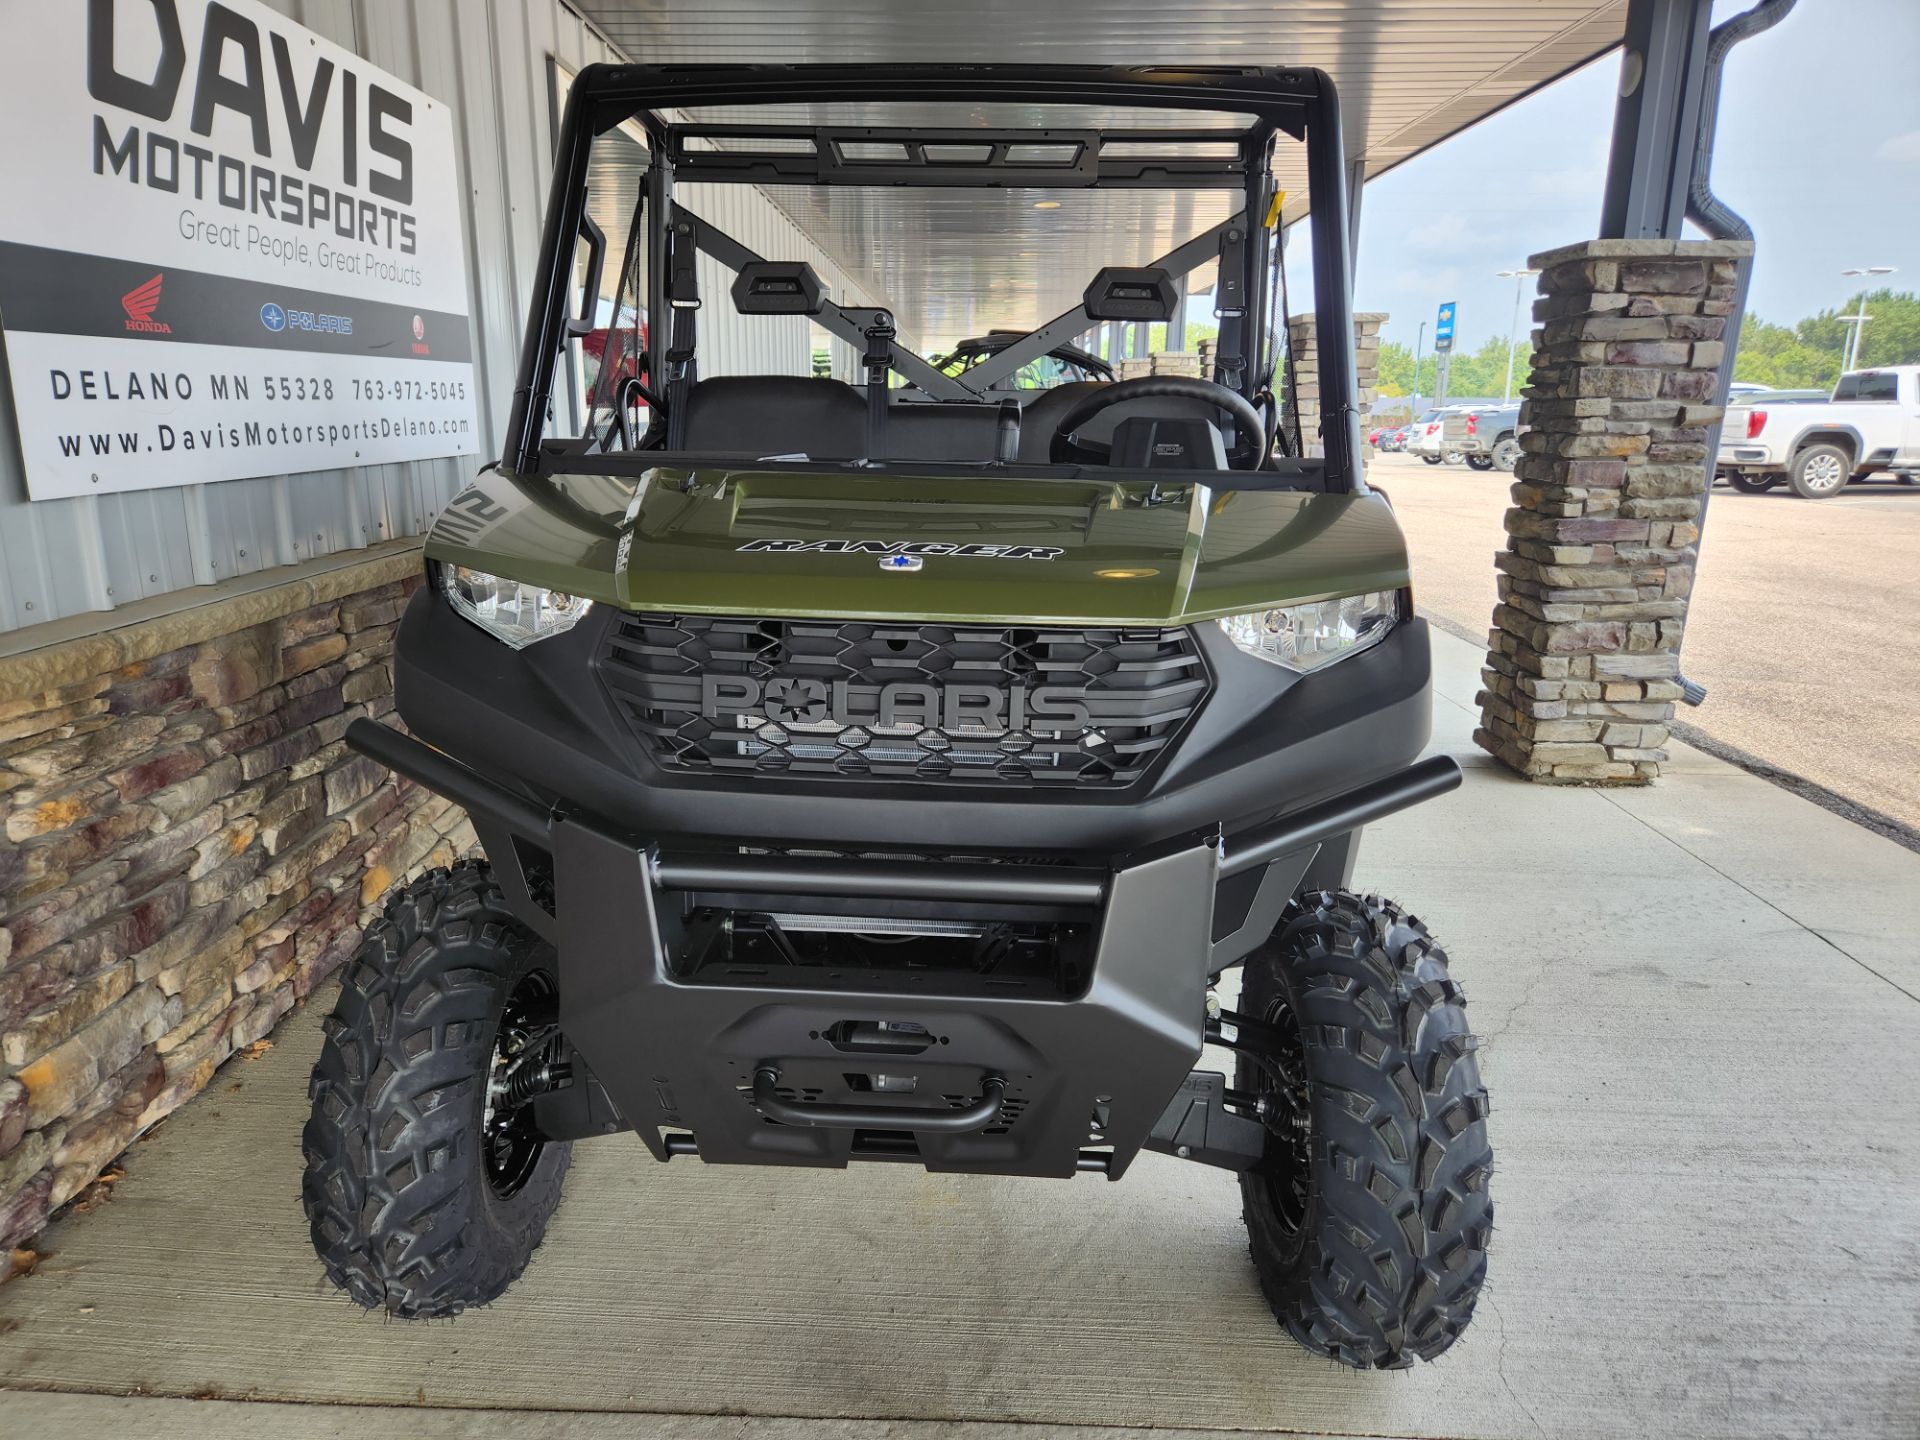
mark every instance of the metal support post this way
{"type": "Point", "coordinates": [1662, 66]}
{"type": "Point", "coordinates": [1419, 344]}
{"type": "Point", "coordinates": [1356, 181]}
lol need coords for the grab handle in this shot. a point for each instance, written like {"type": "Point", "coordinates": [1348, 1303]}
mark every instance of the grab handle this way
{"type": "Point", "coordinates": [766, 1080]}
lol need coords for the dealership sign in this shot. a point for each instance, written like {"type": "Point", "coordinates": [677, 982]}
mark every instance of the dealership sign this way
{"type": "Point", "coordinates": [227, 248]}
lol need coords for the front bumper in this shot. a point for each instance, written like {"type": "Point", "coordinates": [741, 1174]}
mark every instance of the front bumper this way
{"type": "Point", "coordinates": [1045, 1080]}
{"type": "Point", "coordinates": [631, 872]}
{"type": "Point", "coordinates": [707, 1049]}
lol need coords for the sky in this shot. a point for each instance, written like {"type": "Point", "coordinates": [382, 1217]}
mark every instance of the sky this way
{"type": "Point", "coordinates": [1818, 147]}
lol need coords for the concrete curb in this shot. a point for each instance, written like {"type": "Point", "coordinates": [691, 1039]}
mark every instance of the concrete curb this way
{"type": "Point", "coordinates": [50, 1413]}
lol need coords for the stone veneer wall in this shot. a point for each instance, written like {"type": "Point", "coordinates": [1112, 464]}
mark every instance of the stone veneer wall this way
{"type": "Point", "coordinates": [189, 849]}
{"type": "Point", "coordinates": [1300, 395]}
{"type": "Point", "coordinates": [1582, 664]}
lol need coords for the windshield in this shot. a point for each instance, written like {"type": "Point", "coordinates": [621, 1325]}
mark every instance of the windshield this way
{"type": "Point", "coordinates": [915, 263]}
{"type": "Point", "coordinates": [964, 263]}
{"type": "Point", "coordinates": [957, 261]}
{"type": "Point", "coordinates": [937, 259]}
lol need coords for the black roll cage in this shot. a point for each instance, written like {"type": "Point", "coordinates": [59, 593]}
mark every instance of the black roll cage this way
{"type": "Point", "coordinates": [1298, 102]}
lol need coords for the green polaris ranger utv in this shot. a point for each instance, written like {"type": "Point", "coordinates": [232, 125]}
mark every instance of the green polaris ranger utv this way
{"type": "Point", "coordinates": [891, 768]}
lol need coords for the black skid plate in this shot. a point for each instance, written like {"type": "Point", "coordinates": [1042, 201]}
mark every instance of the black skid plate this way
{"type": "Point", "coordinates": [1086, 1074]}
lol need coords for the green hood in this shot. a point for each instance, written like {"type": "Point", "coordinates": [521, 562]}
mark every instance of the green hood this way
{"type": "Point", "coordinates": [992, 548]}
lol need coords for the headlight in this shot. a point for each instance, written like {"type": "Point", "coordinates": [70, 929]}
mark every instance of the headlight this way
{"type": "Point", "coordinates": [512, 610]}
{"type": "Point", "coordinates": [1306, 637]}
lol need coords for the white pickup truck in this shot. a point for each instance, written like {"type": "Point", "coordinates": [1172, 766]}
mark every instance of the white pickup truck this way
{"type": "Point", "coordinates": [1426, 439]}
{"type": "Point", "coordinates": [1872, 423]}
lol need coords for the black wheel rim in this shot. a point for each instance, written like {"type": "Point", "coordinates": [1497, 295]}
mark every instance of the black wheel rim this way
{"type": "Point", "coordinates": [511, 1143]}
{"type": "Point", "coordinates": [1285, 1171]}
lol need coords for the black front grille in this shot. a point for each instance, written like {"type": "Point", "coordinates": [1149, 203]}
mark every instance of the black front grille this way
{"type": "Point", "coordinates": [863, 700]}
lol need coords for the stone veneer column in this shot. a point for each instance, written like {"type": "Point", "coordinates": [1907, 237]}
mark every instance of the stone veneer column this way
{"type": "Point", "coordinates": [1301, 391]}
{"type": "Point", "coordinates": [187, 848]}
{"type": "Point", "coordinates": [1366, 361]}
{"type": "Point", "coordinates": [1582, 664]}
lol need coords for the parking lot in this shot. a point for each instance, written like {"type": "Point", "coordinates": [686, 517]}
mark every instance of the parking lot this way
{"type": "Point", "coordinates": [1795, 629]}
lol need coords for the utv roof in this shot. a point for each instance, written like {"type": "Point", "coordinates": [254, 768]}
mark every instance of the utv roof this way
{"type": "Point", "coordinates": [1278, 96]}
{"type": "Point", "coordinates": [1156, 128]}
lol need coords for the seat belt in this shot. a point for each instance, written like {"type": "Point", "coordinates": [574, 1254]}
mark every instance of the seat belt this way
{"type": "Point", "coordinates": [1006, 443]}
{"type": "Point", "coordinates": [879, 365]}
{"type": "Point", "coordinates": [683, 298]}
{"type": "Point", "coordinates": [1230, 308]}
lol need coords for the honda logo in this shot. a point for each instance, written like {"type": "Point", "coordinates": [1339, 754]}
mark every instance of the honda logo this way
{"type": "Point", "coordinates": [140, 303]}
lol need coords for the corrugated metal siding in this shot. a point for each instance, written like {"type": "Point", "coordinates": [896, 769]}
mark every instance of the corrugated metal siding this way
{"type": "Point", "coordinates": [491, 62]}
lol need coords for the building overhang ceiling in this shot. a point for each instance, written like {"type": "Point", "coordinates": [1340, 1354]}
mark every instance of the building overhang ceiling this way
{"type": "Point", "coordinates": [1410, 74]}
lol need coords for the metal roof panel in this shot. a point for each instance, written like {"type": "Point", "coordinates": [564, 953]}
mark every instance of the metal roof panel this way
{"type": "Point", "coordinates": [1410, 74]}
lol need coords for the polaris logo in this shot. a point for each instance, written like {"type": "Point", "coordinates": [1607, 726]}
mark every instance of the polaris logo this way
{"type": "Point", "coordinates": [916, 548]}
{"type": "Point", "coordinates": [797, 700]}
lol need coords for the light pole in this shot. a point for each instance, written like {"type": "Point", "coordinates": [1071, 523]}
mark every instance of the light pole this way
{"type": "Point", "coordinates": [1419, 344]}
{"type": "Point", "coordinates": [1850, 347]}
{"type": "Point", "coordinates": [1519, 278]}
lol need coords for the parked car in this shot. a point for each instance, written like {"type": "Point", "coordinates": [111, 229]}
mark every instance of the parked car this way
{"type": "Point", "coordinates": [1486, 435]}
{"type": "Point", "coordinates": [1424, 438]}
{"type": "Point", "coordinates": [1749, 397]}
{"type": "Point", "coordinates": [1872, 422]}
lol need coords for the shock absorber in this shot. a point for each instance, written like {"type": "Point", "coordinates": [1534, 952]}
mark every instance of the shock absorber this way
{"type": "Point", "coordinates": [534, 1075]}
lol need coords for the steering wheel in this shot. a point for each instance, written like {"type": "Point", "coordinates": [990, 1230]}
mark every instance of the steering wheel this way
{"type": "Point", "coordinates": [1067, 447]}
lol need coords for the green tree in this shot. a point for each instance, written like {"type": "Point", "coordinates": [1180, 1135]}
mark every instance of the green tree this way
{"type": "Point", "coordinates": [1775, 355]}
{"type": "Point", "coordinates": [1484, 371]}
{"type": "Point", "coordinates": [1480, 372]}
{"type": "Point", "coordinates": [1804, 356]}
{"type": "Point", "coordinates": [1892, 335]}
{"type": "Point", "coordinates": [1396, 371]}
{"type": "Point", "coordinates": [1807, 356]}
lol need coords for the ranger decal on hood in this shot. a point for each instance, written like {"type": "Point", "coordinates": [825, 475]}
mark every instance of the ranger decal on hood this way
{"type": "Point", "coordinates": [905, 547]}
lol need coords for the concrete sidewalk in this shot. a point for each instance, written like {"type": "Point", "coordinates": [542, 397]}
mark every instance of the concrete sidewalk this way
{"type": "Point", "coordinates": [1708, 1195]}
